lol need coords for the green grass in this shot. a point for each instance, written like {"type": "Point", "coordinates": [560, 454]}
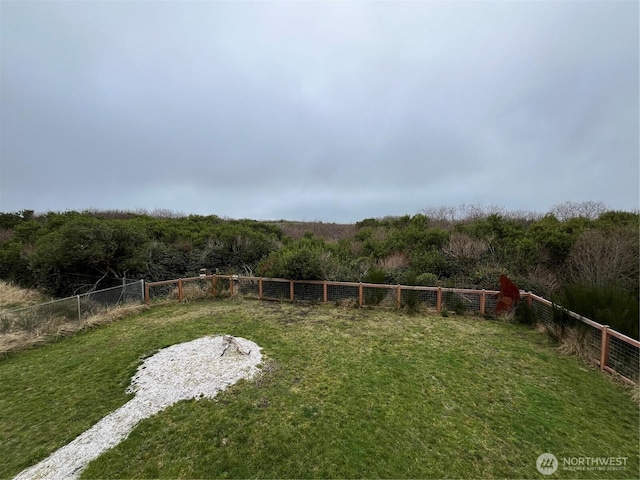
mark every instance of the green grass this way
{"type": "Point", "coordinates": [344, 393]}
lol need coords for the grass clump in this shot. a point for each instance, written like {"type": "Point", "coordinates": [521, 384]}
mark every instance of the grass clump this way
{"type": "Point", "coordinates": [344, 393]}
{"type": "Point", "coordinates": [12, 296]}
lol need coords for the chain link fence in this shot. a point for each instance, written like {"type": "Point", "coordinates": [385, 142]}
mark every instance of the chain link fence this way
{"type": "Point", "coordinates": [49, 316]}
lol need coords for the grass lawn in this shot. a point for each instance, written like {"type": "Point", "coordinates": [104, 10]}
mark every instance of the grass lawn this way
{"type": "Point", "coordinates": [344, 393]}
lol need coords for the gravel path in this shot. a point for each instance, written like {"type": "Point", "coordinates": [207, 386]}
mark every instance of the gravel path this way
{"type": "Point", "coordinates": [196, 369]}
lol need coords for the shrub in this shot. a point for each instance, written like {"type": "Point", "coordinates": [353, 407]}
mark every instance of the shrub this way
{"type": "Point", "coordinates": [299, 261]}
{"type": "Point", "coordinates": [375, 296]}
{"type": "Point", "coordinates": [375, 275]}
{"type": "Point", "coordinates": [611, 306]}
{"type": "Point", "coordinates": [410, 298]}
{"type": "Point", "coordinates": [524, 314]}
{"type": "Point", "coordinates": [600, 257]}
{"type": "Point", "coordinates": [427, 279]}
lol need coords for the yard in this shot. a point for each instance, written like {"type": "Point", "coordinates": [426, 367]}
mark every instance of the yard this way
{"type": "Point", "coordinates": [343, 393]}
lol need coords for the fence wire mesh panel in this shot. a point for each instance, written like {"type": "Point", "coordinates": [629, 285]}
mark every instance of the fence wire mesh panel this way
{"type": "Point", "coordinates": [194, 289]}
{"type": "Point", "coordinates": [382, 296]}
{"type": "Point", "coordinates": [162, 292]}
{"type": "Point", "coordinates": [490, 303]}
{"type": "Point", "coordinates": [543, 313]}
{"type": "Point", "coordinates": [342, 294]}
{"type": "Point", "coordinates": [308, 292]}
{"type": "Point", "coordinates": [222, 286]}
{"type": "Point", "coordinates": [592, 340]}
{"type": "Point", "coordinates": [429, 298]}
{"type": "Point", "coordinates": [276, 289]}
{"type": "Point", "coordinates": [470, 301]}
{"type": "Point", "coordinates": [247, 287]}
{"type": "Point", "coordinates": [581, 339]}
{"type": "Point", "coordinates": [456, 302]}
{"type": "Point", "coordinates": [415, 298]}
{"type": "Point", "coordinates": [624, 358]}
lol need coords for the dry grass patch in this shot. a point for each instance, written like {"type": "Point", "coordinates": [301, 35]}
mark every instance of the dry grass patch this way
{"type": "Point", "coordinates": [575, 342]}
{"type": "Point", "coordinates": [635, 394]}
{"type": "Point", "coordinates": [12, 296]}
{"type": "Point", "coordinates": [20, 340]}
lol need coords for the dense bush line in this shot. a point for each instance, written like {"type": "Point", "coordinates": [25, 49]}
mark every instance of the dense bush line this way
{"type": "Point", "coordinates": [574, 246]}
{"type": "Point", "coordinates": [62, 252]}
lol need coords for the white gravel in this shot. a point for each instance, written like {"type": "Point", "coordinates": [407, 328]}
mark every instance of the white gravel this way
{"type": "Point", "coordinates": [196, 369]}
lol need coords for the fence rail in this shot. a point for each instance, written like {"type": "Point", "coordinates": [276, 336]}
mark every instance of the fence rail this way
{"type": "Point", "coordinates": [612, 351]}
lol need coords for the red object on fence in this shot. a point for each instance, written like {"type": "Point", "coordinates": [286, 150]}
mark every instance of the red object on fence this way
{"type": "Point", "coordinates": [508, 297]}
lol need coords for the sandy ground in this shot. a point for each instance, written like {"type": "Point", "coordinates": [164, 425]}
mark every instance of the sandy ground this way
{"type": "Point", "coordinates": [197, 369]}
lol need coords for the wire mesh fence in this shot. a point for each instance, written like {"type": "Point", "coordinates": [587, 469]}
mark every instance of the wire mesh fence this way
{"type": "Point", "coordinates": [49, 316]}
{"type": "Point", "coordinates": [342, 293]}
{"type": "Point", "coordinates": [380, 296]}
{"type": "Point", "coordinates": [275, 289]}
{"type": "Point", "coordinates": [248, 287]}
{"type": "Point", "coordinates": [623, 357]}
{"type": "Point", "coordinates": [592, 341]}
{"type": "Point", "coordinates": [154, 293]}
{"type": "Point", "coordinates": [617, 353]}
{"type": "Point", "coordinates": [543, 311]}
{"type": "Point", "coordinates": [308, 292]}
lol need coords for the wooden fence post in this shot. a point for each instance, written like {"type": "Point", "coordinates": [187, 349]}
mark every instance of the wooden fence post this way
{"type": "Point", "coordinates": [231, 286]}
{"type": "Point", "coordinates": [260, 288]}
{"type": "Point", "coordinates": [292, 295]}
{"type": "Point", "coordinates": [439, 300]}
{"type": "Point", "coordinates": [399, 297]}
{"type": "Point", "coordinates": [604, 347]}
{"type": "Point", "coordinates": [483, 300]}
{"type": "Point", "coordinates": [325, 296]}
{"type": "Point", "coordinates": [214, 285]}
{"type": "Point", "coordinates": [146, 293]}
{"type": "Point", "coordinates": [360, 295]}
{"type": "Point", "coordinates": [180, 292]}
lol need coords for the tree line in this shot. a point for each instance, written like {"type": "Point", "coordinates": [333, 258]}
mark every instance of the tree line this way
{"type": "Point", "coordinates": [575, 247]}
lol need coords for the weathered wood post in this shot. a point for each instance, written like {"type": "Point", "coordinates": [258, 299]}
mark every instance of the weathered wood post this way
{"type": "Point", "coordinates": [604, 347]}
{"type": "Point", "coordinates": [214, 285]}
{"type": "Point", "coordinates": [439, 300]}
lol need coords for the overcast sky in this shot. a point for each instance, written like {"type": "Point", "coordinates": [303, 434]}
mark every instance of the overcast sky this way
{"type": "Point", "coordinates": [331, 111]}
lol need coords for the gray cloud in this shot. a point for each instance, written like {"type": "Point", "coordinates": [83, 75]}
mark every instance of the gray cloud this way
{"type": "Point", "coordinates": [318, 111]}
